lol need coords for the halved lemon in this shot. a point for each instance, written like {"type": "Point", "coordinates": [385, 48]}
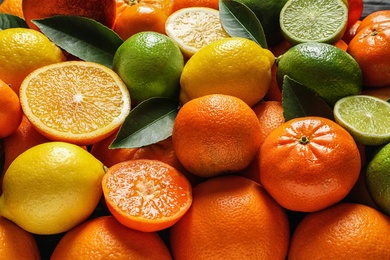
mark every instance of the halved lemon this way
{"type": "Point", "coordinates": [194, 27]}
{"type": "Point", "coordinates": [75, 101]}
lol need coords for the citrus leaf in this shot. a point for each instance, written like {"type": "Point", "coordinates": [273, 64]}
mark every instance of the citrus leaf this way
{"type": "Point", "coordinates": [148, 123]}
{"type": "Point", "coordinates": [11, 21]}
{"type": "Point", "coordinates": [238, 20]}
{"type": "Point", "coordinates": [300, 101]}
{"type": "Point", "coordinates": [82, 37]}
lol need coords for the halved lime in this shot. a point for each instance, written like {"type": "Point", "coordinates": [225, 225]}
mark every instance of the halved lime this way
{"type": "Point", "coordinates": [313, 20]}
{"type": "Point", "coordinates": [366, 118]}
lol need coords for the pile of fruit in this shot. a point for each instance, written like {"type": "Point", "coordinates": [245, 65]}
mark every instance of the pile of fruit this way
{"type": "Point", "coordinates": [194, 129]}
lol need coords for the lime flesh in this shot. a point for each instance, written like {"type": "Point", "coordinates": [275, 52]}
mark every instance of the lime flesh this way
{"type": "Point", "coordinates": [366, 118]}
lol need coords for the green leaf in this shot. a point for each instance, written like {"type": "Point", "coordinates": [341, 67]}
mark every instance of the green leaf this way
{"type": "Point", "coordinates": [238, 20]}
{"type": "Point", "coordinates": [300, 101]}
{"type": "Point", "coordinates": [148, 123]}
{"type": "Point", "coordinates": [11, 21]}
{"type": "Point", "coordinates": [82, 37]}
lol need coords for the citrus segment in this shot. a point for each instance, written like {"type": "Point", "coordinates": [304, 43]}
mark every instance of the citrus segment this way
{"type": "Point", "coordinates": [146, 195]}
{"type": "Point", "coordinates": [75, 101]}
{"type": "Point", "coordinates": [365, 117]}
{"type": "Point", "coordinates": [194, 27]}
{"type": "Point", "coordinates": [313, 21]}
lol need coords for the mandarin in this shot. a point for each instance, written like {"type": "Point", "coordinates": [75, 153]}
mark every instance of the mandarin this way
{"type": "Point", "coordinates": [375, 17]}
{"type": "Point", "coordinates": [343, 231]}
{"type": "Point", "coordinates": [231, 217]}
{"type": "Point", "coordinates": [180, 4]}
{"type": "Point", "coordinates": [216, 134]}
{"type": "Point", "coordinates": [10, 110]}
{"type": "Point", "coordinates": [309, 163]}
{"type": "Point", "coordinates": [13, 7]}
{"type": "Point", "coordinates": [105, 238]}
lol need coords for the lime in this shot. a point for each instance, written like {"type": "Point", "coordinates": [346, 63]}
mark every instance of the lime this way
{"type": "Point", "coordinates": [365, 117]}
{"type": "Point", "coordinates": [327, 70]}
{"type": "Point", "coordinates": [150, 64]}
{"type": "Point", "coordinates": [313, 20]}
{"type": "Point", "coordinates": [378, 178]}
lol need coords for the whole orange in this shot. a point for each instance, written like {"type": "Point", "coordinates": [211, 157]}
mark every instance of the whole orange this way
{"type": "Point", "coordinates": [215, 134]}
{"type": "Point", "coordinates": [343, 231]}
{"type": "Point", "coordinates": [10, 110]}
{"type": "Point", "coordinates": [105, 238]}
{"type": "Point", "coordinates": [309, 163]}
{"type": "Point", "coordinates": [231, 217]}
{"type": "Point", "coordinates": [180, 4]}
{"type": "Point", "coordinates": [102, 11]}
{"type": "Point", "coordinates": [374, 17]}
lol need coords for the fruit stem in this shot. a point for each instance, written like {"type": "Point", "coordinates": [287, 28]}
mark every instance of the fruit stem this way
{"type": "Point", "coordinates": [304, 140]}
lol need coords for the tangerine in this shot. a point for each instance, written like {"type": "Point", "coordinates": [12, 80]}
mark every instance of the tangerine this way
{"type": "Point", "coordinates": [10, 110]}
{"type": "Point", "coordinates": [180, 4]}
{"type": "Point", "coordinates": [13, 7]}
{"type": "Point", "coordinates": [375, 17]}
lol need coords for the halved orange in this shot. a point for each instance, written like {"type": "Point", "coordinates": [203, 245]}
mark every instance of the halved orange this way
{"type": "Point", "coordinates": [146, 195]}
{"type": "Point", "coordinates": [75, 101]}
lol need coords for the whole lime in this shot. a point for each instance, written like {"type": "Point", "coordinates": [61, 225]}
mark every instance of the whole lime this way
{"type": "Point", "coordinates": [150, 64]}
{"type": "Point", "coordinates": [327, 70]}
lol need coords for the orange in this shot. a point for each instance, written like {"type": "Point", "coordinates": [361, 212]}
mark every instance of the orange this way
{"type": "Point", "coordinates": [16, 243]}
{"type": "Point", "coordinates": [370, 48]}
{"type": "Point", "coordinates": [146, 195]}
{"type": "Point", "coordinates": [140, 18]}
{"type": "Point", "coordinates": [180, 4]}
{"type": "Point", "coordinates": [231, 217]}
{"type": "Point", "coordinates": [375, 17]}
{"type": "Point", "coordinates": [341, 45]}
{"type": "Point", "coordinates": [102, 11]}
{"type": "Point", "coordinates": [162, 151]}
{"type": "Point", "coordinates": [215, 134]}
{"type": "Point", "coordinates": [13, 7]}
{"type": "Point", "coordinates": [89, 111]}
{"type": "Point", "coordinates": [10, 110]}
{"type": "Point", "coordinates": [105, 238]}
{"type": "Point", "coordinates": [164, 5]}
{"type": "Point", "coordinates": [343, 231]}
{"type": "Point", "coordinates": [309, 163]}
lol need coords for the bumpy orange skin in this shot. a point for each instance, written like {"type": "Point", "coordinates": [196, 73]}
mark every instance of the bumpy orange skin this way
{"type": "Point", "coordinates": [10, 110]}
{"type": "Point", "coordinates": [309, 163]}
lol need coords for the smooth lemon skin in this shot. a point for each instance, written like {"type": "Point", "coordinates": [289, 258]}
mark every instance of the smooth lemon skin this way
{"type": "Point", "coordinates": [51, 188]}
{"type": "Point", "coordinates": [233, 66]}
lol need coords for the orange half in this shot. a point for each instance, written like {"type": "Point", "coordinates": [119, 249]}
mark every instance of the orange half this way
{"type": "Point", "coordinates": [75, 101]}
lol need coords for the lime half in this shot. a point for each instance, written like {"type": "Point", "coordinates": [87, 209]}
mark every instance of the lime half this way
{"type": "Point", "coordinates": [313, 20]}
{"type": "Point", "coordinates": [366, 118]}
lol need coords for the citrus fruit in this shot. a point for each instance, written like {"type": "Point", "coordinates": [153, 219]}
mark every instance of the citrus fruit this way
{"type": "Point", "coordinates": [13, 7]}
{"type": "Point", "coordinates": [75, 101]}
{"type": "Point", "coordinates": [146, 195]}
{"type": "Point", "coordinates": [10, 110]}
{"type": "Point", "coordinates": [138, 60]}
{"type": "Point", "coordinates": [164, 5]}
{"type": "Point", "coordinates": [382, 93]}
{"type": "Point", "coordinates": [105, 238]}
{"type": "Point", "coordinates": [377, 178]}
{"type": "Point", "coordinates": [232, 66]}
{"type": "Point", "coordinates": [369, 48]}
{"type": "Point", "coordinates": [17, 243]}
{"type": "Point", "coordinates": [313, 21]}
{"type": "Point", "coordinates": [365, 117]}
{"type": "Point", "coordinates": [180, 4]}
{"type": "Point", "coordinates": [343, 231]}
{"type": "Point", "coordinates": [351, 32]}
{"type": "Point", "coordinates": [215, 134]}
{"type": "Point", "coordinates": [309, 163]}
{"type": "Point", "coordinates": [22, 51]}
{"type": "Point", "coordinates": [103, 11]}
{"type": "Point", "coordinates": [193, 28]}
{"type": "Point", "coordinates": [140, 18]}
{"type": "Point", "coordinates": [375, 17]}
{"type": "Point", "coordinates": [51, 187]}
{"type": "Point", "coordinates": [231, 217]}
{"type": "Point", "coordinates": [355, 11]}
{"type": "Point", "coordinates": [327, 70]}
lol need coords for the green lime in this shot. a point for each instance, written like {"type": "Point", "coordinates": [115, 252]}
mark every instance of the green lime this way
{"type": "Point", "coordinates": [327, 70]}
{"type": "Point", "coordinates": [365, 117]}
{"type": "Point", "coordinates": [150, 64]}
{"type": "Point", "coordinates": [313, 20]}
{"type": "Point", "coordinates": [378, 178]}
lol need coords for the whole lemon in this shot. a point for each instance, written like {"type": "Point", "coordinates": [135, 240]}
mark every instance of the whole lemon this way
{"type": "Point", "coordinates": [150, 64]}
{"type": "Point", "coordinates": [22, 51]}
{"type": "Point", "coordinates": [52, 187]}
{"type": "Point", "coordinates": [232, 66]}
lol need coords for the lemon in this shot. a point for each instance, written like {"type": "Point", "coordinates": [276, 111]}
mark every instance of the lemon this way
{"type": "Point", "coordinates": [232, 66]}
{"type": "Point", "coordinates": [150, 64]}
{"type": "Point", "coordinates": [194, 27]}
{"type": "Point", "coordinates": [313, 20]}
{"type": "Point", "coordinates": [327, 70]}
{"type": "Point", "coordinates": [52, 187]}
{"type": "Point", "coordinates": [22, 51]}
{"type": "Point", "coordinates": [365, 117]}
